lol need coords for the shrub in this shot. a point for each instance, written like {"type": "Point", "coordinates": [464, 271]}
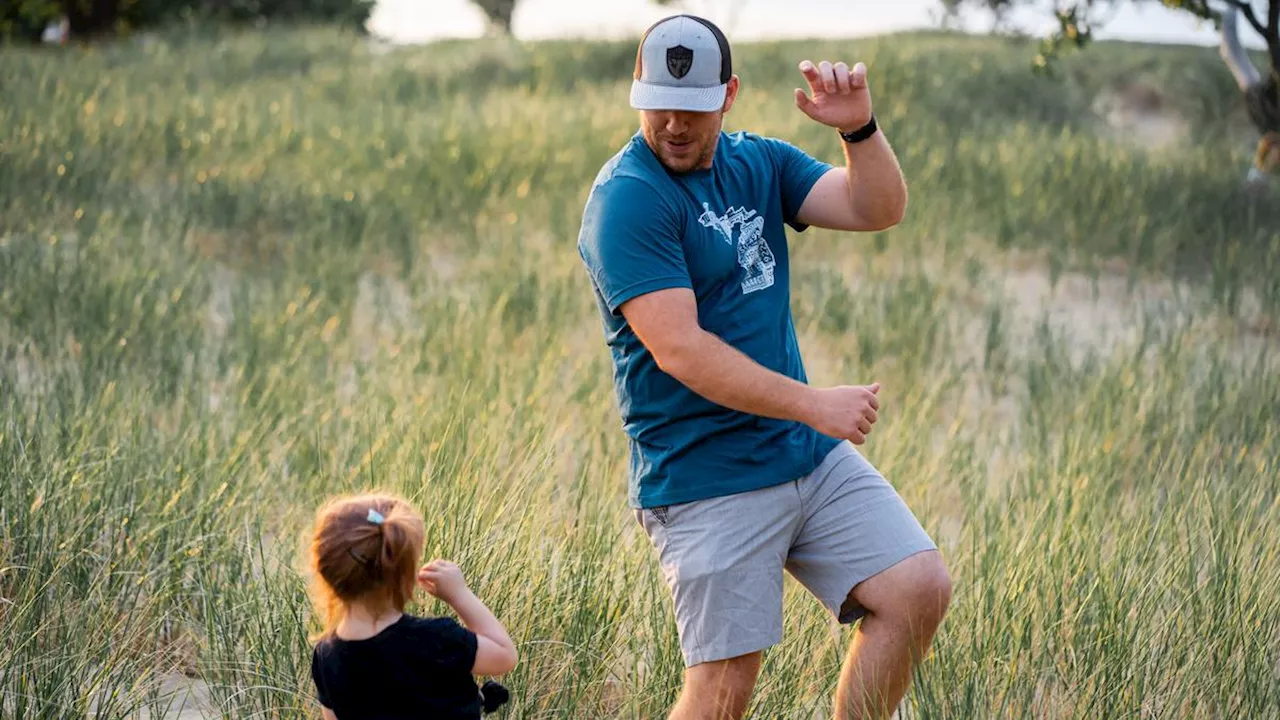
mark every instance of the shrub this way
{"type": "Point", "coordinates": [26, 19]}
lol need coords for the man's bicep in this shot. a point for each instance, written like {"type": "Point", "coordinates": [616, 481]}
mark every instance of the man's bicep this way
{"type": "Point", "coordinates": [828, 204]}
{"type": "Point", "coordinates": [666, 321]}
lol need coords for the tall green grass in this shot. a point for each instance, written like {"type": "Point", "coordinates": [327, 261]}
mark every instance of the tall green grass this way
{"type": "Point", "coordinates": [240, 273]}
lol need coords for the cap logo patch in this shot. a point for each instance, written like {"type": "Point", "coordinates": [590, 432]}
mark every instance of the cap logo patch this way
{"type": "Point", "coordinates": [679, 61]}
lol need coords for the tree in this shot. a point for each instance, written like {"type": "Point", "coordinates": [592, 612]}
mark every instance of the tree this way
{"type": "Point", "coordinates": [499, 13]}
{"type": "Point", "coordinates": [26, 19]}
{"type": "Point", "coordinates": [1261, 90]}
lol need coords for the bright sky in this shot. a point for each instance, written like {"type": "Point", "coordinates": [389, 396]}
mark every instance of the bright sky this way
{"type": "Point", "coordinates": [425, 20]}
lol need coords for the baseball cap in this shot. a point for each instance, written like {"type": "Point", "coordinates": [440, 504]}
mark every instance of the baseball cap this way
{"type": "Point", "coordinates": [683, 64]}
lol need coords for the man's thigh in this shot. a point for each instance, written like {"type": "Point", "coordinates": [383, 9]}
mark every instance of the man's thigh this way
{"type": "Point", "coordinates": [723, 559]}
{"type": "Point", "coordinates": [856, 526]}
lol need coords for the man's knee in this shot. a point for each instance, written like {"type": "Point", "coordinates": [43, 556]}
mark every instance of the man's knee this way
{"type": "Point", "coordinates": [932, 592]}
{"type": "Point", "coordinates": [720, 690]}
{"type": "Point", "coordinates": [931, 586]}
{"type": "Point", "coordinates": [916, 591]}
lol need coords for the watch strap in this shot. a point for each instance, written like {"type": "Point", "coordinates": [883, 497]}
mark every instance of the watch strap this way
{"type": "Point", "coordinates": [862, 133]}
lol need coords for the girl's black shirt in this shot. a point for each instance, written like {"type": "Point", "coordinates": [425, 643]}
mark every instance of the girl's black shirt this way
{"type": "Point", "coordinates": [415, 668]}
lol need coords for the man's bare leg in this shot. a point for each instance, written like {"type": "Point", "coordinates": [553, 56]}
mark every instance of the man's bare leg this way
{"type": "Point", "coordinates": [718, 690]}
{"type": "Point", "coordinates": [905, 604]}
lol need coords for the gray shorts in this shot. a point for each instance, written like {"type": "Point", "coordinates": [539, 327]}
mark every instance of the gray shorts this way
{"type": "Point", "coordinates": [723, 557]}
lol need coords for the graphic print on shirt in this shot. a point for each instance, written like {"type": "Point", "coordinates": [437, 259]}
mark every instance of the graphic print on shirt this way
{"type": "Point", "coordinates": [754, 254]}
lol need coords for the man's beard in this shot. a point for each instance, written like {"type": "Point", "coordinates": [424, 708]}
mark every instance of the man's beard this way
{"type": "Point", "coordinates": [704, 152]}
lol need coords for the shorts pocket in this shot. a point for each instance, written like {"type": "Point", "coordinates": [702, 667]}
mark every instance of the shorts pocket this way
{"type": "Point", "coordinates": [660, 513]}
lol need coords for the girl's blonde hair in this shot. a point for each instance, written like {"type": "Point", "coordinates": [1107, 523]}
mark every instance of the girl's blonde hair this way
{"type": "Point", "coordinates": [364, 548]}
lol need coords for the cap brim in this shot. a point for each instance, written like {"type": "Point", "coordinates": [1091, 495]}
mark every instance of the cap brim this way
{"type": "Point", "coordinates": [666, 97]}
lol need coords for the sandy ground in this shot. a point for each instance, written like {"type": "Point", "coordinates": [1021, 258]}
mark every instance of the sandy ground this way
{"type": "Point", "coordinates": [1138, 114]}
{"type": "Point", "coordinates": [189, 697]}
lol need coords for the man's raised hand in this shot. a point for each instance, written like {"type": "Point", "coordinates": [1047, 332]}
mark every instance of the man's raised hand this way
{"type": "Point", "coordinates": [840, 97]}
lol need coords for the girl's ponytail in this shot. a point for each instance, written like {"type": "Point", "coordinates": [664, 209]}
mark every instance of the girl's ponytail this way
{"type": "Point", "coordinates": [402, 538]}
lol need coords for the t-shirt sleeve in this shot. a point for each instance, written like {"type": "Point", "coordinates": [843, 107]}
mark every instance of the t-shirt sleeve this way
{"type": "Point", "coordinates": [797, 173]}
{"type": "Point", "coordinates": [453, 646]}
{"type": "Point", "coordinates": [631, 241]}
{"type": "Point", "coordinates": [321, 695]}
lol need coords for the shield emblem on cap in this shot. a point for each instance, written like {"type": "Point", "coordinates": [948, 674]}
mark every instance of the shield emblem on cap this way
{"type": "Point", "coordinates": [679, 61]}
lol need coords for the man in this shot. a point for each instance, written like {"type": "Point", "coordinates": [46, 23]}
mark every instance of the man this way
{"type": "Point", "coordinates": [739, 468]}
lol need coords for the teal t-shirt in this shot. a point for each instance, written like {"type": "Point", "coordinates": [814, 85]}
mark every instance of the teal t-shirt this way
{"type": "Point", "coordinates": [719, 232]}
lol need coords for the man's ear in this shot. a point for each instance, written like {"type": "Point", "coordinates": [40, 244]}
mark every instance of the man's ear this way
{"type": "Point", "coordinates": [731, 93]}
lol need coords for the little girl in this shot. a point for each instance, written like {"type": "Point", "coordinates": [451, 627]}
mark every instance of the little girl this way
{"type": "Point", "coordinates": [373, 660]}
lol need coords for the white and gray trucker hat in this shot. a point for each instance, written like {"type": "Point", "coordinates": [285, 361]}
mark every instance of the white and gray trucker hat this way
{"type": "Point", "coordinates": [683, 64]}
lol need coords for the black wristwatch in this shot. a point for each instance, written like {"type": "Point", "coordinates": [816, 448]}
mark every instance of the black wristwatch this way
{"type": "Point", "coordinates": [862, 133]}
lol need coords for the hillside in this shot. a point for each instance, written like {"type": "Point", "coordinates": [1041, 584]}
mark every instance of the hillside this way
{"type": "Point", "coordinates": [241, 272]}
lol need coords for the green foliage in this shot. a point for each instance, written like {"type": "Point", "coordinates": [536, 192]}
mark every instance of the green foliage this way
{"type": "Point", "coordinates": [352, 13]}
{"type": "Point", "coordinates": [27, 18]}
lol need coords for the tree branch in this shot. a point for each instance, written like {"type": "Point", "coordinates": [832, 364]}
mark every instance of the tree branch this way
{"type": "Point", "coordinates": [1246, 8]}
{"type": "Point", "coordinates": [1234, 54]}
{"type": "Point", "coordinates": [1273, 39]}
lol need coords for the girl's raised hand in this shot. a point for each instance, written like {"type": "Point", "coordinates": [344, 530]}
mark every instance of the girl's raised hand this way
{"type": "Point", "coordinates": [443, 579]}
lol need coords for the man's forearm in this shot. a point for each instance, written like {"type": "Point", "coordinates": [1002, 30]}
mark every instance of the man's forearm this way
{"type": "Point", "coordinates": [877, 189]}
{"type": "Point", "coordinates": [726, 376]}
